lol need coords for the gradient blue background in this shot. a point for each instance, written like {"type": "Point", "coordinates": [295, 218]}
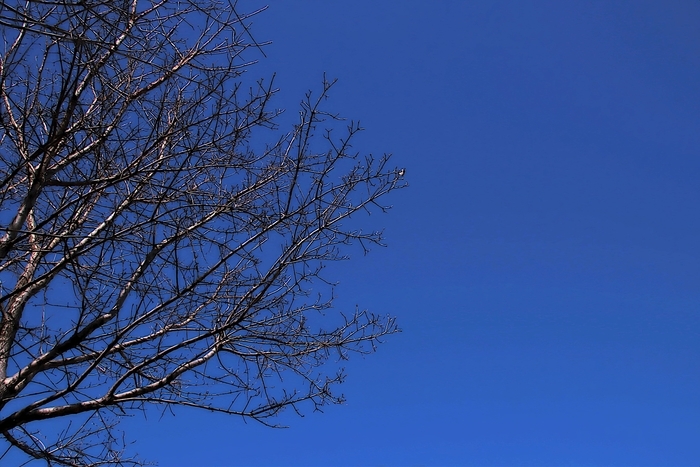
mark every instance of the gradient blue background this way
{"type": "Point", "coordinates": [544, 263]}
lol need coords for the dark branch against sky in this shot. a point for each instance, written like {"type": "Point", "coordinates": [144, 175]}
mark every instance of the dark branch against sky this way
{"type": "Point", "coordinates": [543, 264]}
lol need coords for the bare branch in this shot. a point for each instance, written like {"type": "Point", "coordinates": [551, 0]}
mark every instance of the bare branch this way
{"type": "Point", "coordinates": [153, 250]}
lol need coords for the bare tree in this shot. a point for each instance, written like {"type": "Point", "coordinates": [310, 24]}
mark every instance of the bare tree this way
{"type": "Point", "coordinates": [154, 250]}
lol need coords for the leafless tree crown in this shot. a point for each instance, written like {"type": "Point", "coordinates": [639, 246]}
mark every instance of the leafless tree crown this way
{"type": "Point", "coordinates": [153, 251]}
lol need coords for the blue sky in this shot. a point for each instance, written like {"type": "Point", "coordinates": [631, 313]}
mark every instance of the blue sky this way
{"type": "Point", "coordinates": [544, 263]}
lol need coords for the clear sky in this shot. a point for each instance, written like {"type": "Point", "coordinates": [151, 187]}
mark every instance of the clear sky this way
{"type": "Point", "coordinates": [544, 264]}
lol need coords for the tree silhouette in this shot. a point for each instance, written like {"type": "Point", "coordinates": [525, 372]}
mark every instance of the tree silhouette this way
{"type": "Point", "coordinates": [154, 249]}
